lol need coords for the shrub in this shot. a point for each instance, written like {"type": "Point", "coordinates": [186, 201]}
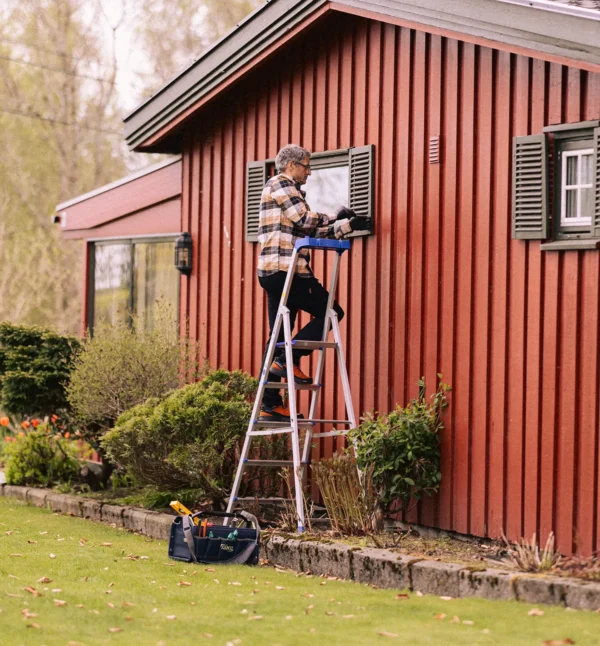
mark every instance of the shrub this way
{"type": "Point", "coordinates": [38, 458]}
{"type": "Point", "coordinates": [188, 439]}
{"type": "Point", "coordinates": [349, 500]}
{"type": "Point", "coordinates": [122, 366]}
{"type": "Point", "coordinates": [35, 365]}
{"type": "Point", "coordinates": [402, 448]}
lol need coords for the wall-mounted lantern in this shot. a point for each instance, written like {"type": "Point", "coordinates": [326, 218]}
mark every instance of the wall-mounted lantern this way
{"type": "Point", "coordinates": [183, 253]}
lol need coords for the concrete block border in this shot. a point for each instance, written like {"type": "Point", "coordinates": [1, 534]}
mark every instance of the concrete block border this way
{"type": "Point", "coordinates": [370, 566]}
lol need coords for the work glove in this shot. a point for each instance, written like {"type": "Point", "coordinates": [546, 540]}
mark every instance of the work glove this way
{"type": "Point", "coordinates": [359, 223]}
{"type": "Point", "coordinates": [344, 213]}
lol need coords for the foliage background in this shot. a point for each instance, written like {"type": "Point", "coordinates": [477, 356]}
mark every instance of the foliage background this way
{"type": "Point", "coordinates": [69, 71]}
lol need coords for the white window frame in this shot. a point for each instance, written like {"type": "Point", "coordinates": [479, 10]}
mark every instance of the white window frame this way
{"type": "Point", "coordinates": [580, 220]}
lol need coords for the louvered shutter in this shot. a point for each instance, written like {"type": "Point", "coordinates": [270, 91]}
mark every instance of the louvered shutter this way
{"type": "Point", "coordinates": [596, 183]}
{"type": "Point", "coordinates": [530, 210]}
{"type": "Point", "coordinates": [256, 178]}
{"type": "Point", "coordinates": [362, 181]}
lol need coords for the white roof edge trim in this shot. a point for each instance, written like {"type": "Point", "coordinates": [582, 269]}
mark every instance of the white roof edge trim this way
{"type": "Point", "coordinates": [119, 182]}
{"type": "Point", "coordinates": [557, 7]}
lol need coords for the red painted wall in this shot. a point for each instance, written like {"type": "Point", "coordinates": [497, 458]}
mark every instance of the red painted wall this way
{"type": "Point", "coordinates": [441, 287]}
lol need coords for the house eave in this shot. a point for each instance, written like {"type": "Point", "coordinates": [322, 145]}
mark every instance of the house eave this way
{"type": "Point", "coordinates": [559, 34]}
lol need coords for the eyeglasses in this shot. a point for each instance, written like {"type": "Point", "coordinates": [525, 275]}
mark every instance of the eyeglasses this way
{"type": "Point", "coordinates": [307, 166]}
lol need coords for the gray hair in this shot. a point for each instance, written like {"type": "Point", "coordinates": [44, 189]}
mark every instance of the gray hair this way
{"type": "Point", "coordinates": [290, 153]}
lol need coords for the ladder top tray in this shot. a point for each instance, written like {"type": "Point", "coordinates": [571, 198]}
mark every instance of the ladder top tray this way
{"type": "Point", "coordinates": [322, 243]}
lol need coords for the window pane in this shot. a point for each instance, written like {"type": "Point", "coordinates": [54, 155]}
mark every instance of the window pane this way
{"type": "Point", "coordinates": [571, 203]}
{"type": "Point", "coordinates": [587, 169]}
{"type": "Point", "coordinates": [571, 171]}
{"type": "Point", "coordinates": [155, 280]}
{"type": "Point", "coordinates": [327, 189]}
{"type": "Point", "coordinates": [112, 282]}
{"type": "Point", "coordinates": [587, 202]}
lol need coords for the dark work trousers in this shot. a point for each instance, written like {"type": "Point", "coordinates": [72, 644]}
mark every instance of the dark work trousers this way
{"type": "Point", "coordinates": [307, 295]}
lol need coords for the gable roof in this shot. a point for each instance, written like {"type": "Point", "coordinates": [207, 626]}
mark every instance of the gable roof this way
{"type": "Point", "coordinates": [549, 29]}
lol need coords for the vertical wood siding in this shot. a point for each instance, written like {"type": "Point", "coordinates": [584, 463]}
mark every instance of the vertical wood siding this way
{"type": "Point", "coordinates": [441, 287]}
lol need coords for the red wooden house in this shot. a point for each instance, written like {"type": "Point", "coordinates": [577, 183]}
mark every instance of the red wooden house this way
{"type": "Point", "coordinates": [479, 123]}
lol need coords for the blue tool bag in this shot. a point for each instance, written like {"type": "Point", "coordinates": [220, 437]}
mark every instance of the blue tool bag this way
{"type": "Point", "coordinates": [220, 544]}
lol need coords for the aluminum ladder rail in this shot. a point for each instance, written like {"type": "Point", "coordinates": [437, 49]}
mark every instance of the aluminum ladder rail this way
{"type": "Point", "coordinates": [256, 427]}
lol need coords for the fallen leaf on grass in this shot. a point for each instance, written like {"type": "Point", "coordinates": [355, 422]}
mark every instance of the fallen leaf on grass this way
{"type": "Point", "coordinates": [59, 603]}
{"type": "Point", "coordinates": [17, 555]}
{"type": "Point", "coordinates": [10, 594]}
{"type": "Point", "coordinates": [279, 587]}
{"type": "Point", "coordinates": [105, 544]}
{"type": "Point", "coordinates": [329, 614]}
{"type": "Point", "coordinates": [32, 591]}
{"type": "Point", "coordinates": [129, 618]}
{"type": "Point", "coordinates": [110, 591]}
{"type": "Point", "coordinates": [535, 612]}
{"type": "Point", "coordinates": [82, 541]}
{"type": "Point", "coordinates": [33, 625]}
{"type": "Point", "coordinates": [209, 569]}
{"type": "Point", "coordinates": [184, 583]}
{"type": "Point", "coordinates": [446, 598]}
{"type": "Point", "coordinates": [347, 616]}
{"type": "Point", "coordinates": [308, 609]}
{"type": "Point", "coordinates": [79, 605]}
{"type": "Point", "coordinates": [110, 585]}
{"type": "Point", "coordinates": [9, 532]}
{"type": "Point", "coordinates": [308, 594]}
{"type": "Point", "coordinates": [440, 615]}
{"type": "Point", "coordinates": [44, 579]}
{"type": "Point", "coordinates": [192, 603]}
{"type": "Point", "coordinates": [455, 620]}
{"type": "Point", "coordinates": [383, 633]}
{"type": "Point", "coordinates": [171, 617]}
{"type": "Point", "coordinates": [233, 583]}
{"type": "Point", "coordinates": [206, 635]}
{"type": "Point", "coordinates": [323, 583]}
{"type": "Point", "coordinates": [468, 622]}
{"type": "Point", "coordinates": [111, 605]}
{"type": "Point", "coordinates": [419, 593]}
{"type": "Point", "coordinates": [127, 604]}
{"type": "Point", "coordinates": [486, 631]}
{"type": "Point", "coordinates": [31, 542]}
{"type": "Point", "coordinates": [43, 533]}
{"type": "Point", "coordinates": [402, 596]}
{"type": "Point", "coordinates": [12, 576]}
{"type": "Point", "coordinates": [557, 642]}
{"type": "Point", "coordinates": [28, 614]}
{"type": "Point", "coordinates": [254, 617]}
{"type": "Point", "coordinates": [52, 556]}
{"type": "Point", "coordinates": [216, 580]}
{"type": "Point", "coordinates": [56, 590]}
{"type": "Point", "coordinates": [115, 630]}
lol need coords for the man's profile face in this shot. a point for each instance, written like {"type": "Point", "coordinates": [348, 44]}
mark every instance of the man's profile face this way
{"type": "Point", "coordinates": [299, 171]}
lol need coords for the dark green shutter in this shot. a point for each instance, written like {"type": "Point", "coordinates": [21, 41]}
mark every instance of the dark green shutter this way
{"type": "Point", "coordinates": [362, 182]}
{"type": "Point", "coordinates": [256, 178]}
{"type": "Point", "coordinates": [530, 210]}
{"type": "Point", "coordinates": [596, 183]}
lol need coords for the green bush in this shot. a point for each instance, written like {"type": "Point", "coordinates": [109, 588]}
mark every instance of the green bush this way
{"type": "Point", "coordinates": [188, 439]}
{"type": "Point", "coordinates": [38, 458]}
{"type": "Point", "coordinates": [401, 450]}
{"type": "Point", "coordinates": [122, 366]}
{"type": "Point", "coordinates": [35, 365]}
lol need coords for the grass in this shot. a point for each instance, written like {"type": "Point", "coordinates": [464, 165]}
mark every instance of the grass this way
{"type": "Point", "coordinates": [99, 571]}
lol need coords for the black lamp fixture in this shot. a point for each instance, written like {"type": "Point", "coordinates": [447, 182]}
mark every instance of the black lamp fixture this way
{"type": "Point", "coordinates": [183, 253]}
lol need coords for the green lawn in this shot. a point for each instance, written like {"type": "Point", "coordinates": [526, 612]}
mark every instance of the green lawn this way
{"type": "Point", "coordinates": [103, 578]}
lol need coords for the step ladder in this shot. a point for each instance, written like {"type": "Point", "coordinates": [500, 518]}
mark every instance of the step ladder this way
{"type": "Point", "coordinates": [256, 427]}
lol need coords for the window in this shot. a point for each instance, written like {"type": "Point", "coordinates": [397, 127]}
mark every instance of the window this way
{"type": "Point", "coordinates": [338, 178]}
{"type": "Point", "coordinates": [556, 186]}
{"type": "Point", "coordinates": [132, 276]}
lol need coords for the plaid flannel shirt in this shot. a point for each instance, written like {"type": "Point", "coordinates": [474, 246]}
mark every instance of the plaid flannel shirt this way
{"type": "Point", "coordinates": [286, 217]}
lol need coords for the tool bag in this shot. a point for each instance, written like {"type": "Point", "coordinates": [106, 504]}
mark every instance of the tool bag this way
{"type": "Point", "coordinates": [219, 545]}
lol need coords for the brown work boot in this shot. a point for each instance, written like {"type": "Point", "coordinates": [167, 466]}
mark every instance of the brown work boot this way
{"type": "Point", "coordinates": [278, 413]}
{"type": "Point", "coordinates": [279, 368]}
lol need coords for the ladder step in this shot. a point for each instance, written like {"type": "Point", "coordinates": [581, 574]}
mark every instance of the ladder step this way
{"type": "Point", "coordinates": [344, 422]}
{"type": "Point", "coordinates": [269, 463]}
{"type": "Point", "coordinates": [310, 345]}
{"type": "Point", "coordinates": [266, 423]}
{"type": "Point", "coordinates": [272, 431]}
{"type": "Point", "coordinates": [330, 434]}
{"type": "Point", "coordinates": [283, 385]}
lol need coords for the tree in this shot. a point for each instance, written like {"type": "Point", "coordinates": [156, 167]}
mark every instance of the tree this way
{"type": "Point", "coordinates": [60, 137]}
{"type": "Point", "coordinates": [174, 34]}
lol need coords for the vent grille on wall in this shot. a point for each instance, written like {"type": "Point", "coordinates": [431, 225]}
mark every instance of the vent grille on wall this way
{"type": "Point", "coordinates": [434, 150]}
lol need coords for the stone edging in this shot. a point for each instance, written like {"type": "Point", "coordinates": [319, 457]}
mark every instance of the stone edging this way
{"type": "Point", "coordinates": [371, 566]}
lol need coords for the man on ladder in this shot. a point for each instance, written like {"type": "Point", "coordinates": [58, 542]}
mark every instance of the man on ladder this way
{"type": "Point", "coordinates": [285, 217]}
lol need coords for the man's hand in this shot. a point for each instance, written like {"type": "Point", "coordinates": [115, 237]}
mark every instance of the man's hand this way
{"type": "Point", "coordinates": [345, 214]}
{"type": "Point", "coordinates": [358, 223]}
